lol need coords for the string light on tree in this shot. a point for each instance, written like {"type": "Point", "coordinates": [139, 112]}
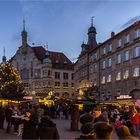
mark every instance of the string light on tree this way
{"type": "Point", "coordinates": [11, 86]}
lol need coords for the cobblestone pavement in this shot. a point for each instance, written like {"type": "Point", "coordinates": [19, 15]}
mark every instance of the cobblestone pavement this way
{"type": "Point", "coordinates": [63, 128]}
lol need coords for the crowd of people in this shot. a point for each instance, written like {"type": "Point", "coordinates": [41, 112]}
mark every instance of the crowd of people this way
{"type": "Point", "coordinates": [33, 121]}
{"type": "Point", "coordinates": [36, 121]}
{"type": "Point", "coordinates": [101, 123]}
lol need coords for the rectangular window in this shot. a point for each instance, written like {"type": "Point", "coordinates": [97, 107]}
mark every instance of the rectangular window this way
{"type": "Point", "coordinates": [65, 84]}
{"type": "Point", "coordinates": [109, 62]}
{"type": "Point", "coordinates": [72, 76]}
{"type": "Point", "coordinates": [126, 55]}
{"type": "Point", "coordinates": [26, 84]}
{"type": "Point", "coordinates": [95, 68]}
{"type": "Point", "coordinates": [137, 33]}
{"type": "Point", "coordinates": [103, 80]}
{"type": "Point", "coordinates": [65, 76]}
{"type": "Point", "coordinates": [57, 84]}
{"type": "Point", "coordinates": [119, 43]}
{"type": "Point", "coordinates": [110, 48]}
{"type": "Point", "coordinates": [118, 76]}
{"type": "Point", "coordinates": [72, 84]}
{"type": "Point", "coordinates": [127, 38]}
{"type": "Point", "coordinates": [109, 79]}
{"type": "Point", "coordinates": [57, 75]}
{"type": "Point", "coordinates": [37, 73]}
{"type": "Point", "coordinates": [136, 72]}
{"type": "Point", "coordinates": [137, 52]}
{"type": "Point", "coordinates": [126, 74]}
{"type": "Point", "coordinates": [118, 58]}
{"type": "Point", "coordinates": [104, 50]}
{"type": "Point", "coordinates": [103, 65]}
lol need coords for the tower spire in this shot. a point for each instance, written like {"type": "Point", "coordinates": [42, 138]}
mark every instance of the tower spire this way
{"type": "Point", "coordinates": [23, 24]}
{"type": "Point", "coordinates": [24, 35]}
{"type": "Point", "coordinates": [4, 51]}
{"type": "Point", "coordinates": [92, 21]}
{"type": "Point", "coordinates": [4, 57]}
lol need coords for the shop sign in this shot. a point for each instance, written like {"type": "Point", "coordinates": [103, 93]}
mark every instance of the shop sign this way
{"type": "Point", "coordinates": [124, 97]}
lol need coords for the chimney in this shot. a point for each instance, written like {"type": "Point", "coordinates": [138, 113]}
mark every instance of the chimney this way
{"type": "Point", "coordinates": [112, 34]}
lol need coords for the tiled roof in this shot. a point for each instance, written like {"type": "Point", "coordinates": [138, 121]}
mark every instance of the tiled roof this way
{"type": "Point", "coordinates": [59, 60]}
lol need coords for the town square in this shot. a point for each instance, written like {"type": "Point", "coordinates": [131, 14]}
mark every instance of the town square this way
{"type": "Point", "coordinates": [70, 69]}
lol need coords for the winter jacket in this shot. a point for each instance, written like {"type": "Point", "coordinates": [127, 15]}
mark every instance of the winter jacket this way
{"type": "Point", "coordinates": [47, 130]}
{"type": "Point", "coordinates": [29, 129]}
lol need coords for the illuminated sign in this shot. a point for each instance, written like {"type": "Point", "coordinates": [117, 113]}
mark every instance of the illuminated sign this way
{"type": "Point", "coordinates": [124, 97]}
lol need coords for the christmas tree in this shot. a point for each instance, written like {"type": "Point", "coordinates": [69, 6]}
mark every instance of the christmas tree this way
{"type": "Point", "coordinates": [11, 86]}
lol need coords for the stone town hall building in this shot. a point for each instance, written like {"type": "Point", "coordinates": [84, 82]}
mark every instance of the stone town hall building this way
{"type": "Point", "coordinates": [44, 72]}
{"type": "Point", "coordinates": [112, 66]}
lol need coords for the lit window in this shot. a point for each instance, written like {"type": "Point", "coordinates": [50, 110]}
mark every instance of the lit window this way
{"type": "Point", "coordinates": [137, 33]}
{"type": "Point", "coordinates": [118, 76]}
{"type": "Point", "coordinates": [127, 38]}
{"type": "Point", "coordinates": [110, 48]}
{"type": "Point", "coordinates": [126, 74]}
{"type": "Point", "coordinates": [104, 50]}
{"type": "Point", "coordinates": [126, 55]}
{"type": "Point", "coordinates": [119, 42]}
{"type": "Point", "coordinates": [136, 51]}
{"type": "Point", "coordinates": [103, 64]}
{"type": "Point", "coordinates": [103, 80]}
{"type": "Point", "coordinates": [109, 62]}
{"type": "Point", "coordinates": [118, 58]}
{"type": "Point", "coordinates": [109, 78]}
{"type": "Point", "coordinates": [136, 72]}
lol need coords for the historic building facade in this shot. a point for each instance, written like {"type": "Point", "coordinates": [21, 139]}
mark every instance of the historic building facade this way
{"type": "Point", "coordinates": [113, 66]}
{"type": "Point", "coordinates": [44, 72]}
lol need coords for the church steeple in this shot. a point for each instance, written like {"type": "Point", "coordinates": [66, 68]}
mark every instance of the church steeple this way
{"type": "Point", "coordinates": [92, 35]}
{"type": "Point", "coordinates": [4, 57]}
{"type": "Point", "coordinates": [24, 35]}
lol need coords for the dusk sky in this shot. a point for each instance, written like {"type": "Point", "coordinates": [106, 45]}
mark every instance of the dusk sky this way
{"type": "Point", "coordinates": [62, 24]}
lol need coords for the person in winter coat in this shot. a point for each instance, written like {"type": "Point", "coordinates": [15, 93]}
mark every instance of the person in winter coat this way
{"type": "Point", "coordinates": [8, 115]}
{"type": "Point", "coordinates": [124, 134]}
{"type": "Point", "coordinates": [135, 121]}
{"type": "Point", "coordinates": [29, 130]}
{"type": "Point", "coordinates": [47, 129]}
{"type": "Point", "coordinates": [2, 117]}
{"type": "Point", "coordinates": [86, 117]}
{"type": "Point", "coordinates": [87, 132]}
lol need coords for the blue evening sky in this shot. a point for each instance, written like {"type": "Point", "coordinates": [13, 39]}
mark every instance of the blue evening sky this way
{"type": "Point", "coordinates": [62, 24]}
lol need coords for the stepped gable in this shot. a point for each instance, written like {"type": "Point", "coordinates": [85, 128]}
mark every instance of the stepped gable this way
{"type": "Point", "coordinates": [59, 60]}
